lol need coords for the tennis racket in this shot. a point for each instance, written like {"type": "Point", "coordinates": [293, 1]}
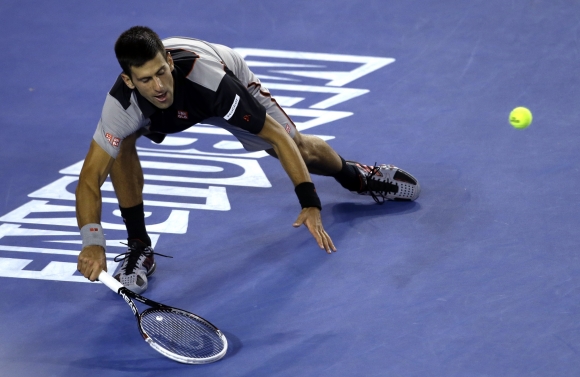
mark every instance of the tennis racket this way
{"type": "Point", "coordinates": [175, 333]}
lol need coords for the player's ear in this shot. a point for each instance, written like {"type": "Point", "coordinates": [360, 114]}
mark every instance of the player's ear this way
{"type": "Point", "coordinates": [127, 81]}
{"type": "Point", "coordinates": [170, 61]}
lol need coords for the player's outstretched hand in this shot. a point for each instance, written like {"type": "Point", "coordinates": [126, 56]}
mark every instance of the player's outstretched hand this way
{"type": "Point", "coordinates": [91, 262]}
{"type": "Point", "coordinates": [311, 218]}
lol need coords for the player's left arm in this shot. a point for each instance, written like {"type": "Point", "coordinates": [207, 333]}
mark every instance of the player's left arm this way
{"type": "Point", "coordinates": [292, 162]}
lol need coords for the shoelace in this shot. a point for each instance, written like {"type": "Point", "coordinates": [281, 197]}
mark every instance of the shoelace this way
{"type": "Point", "coordinates": [132, 256]}
{"type": "Point", "coordinates": [379, 188]}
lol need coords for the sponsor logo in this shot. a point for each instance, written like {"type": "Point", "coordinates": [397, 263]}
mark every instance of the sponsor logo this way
{"type": "Point", "coordinates": [233, 108]}
{"type": "Point", "coordinates": [287, 128]}
{"type": "Point", "coordinates": [130, 302]}
{"type": "Point", "coordinates": [182, 114]}
{"type": "Point", "coordinates": [247, 117]}
{"type": "Point", "coordinates": [114, 141]}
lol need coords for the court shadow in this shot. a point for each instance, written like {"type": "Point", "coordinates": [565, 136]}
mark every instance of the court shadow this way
{"type": "Point", "coordinates": [146, 364]}
{"type": "Point", "coordinates": [345, 212]}
{"type": "Point", "coordinates": [234, 344]}
{"type": "Point", "coordinates": [150, 363]}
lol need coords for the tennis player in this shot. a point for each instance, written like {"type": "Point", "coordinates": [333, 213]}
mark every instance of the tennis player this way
{"type": "Point", "coordinates": [168, 86]}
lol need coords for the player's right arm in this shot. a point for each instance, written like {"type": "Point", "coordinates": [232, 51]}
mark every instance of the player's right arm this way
{"type": "Point", "coordinates": [95, 170]}
{"type": "Point", "coordinates": [120, 117]}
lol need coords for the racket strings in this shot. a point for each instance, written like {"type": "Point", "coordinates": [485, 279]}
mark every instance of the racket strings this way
{"type": "Point", "coordinates": [181, 334]}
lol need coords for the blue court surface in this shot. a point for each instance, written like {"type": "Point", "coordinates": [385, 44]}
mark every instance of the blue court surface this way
{"type": "Point", "coordinates": [478, 277]}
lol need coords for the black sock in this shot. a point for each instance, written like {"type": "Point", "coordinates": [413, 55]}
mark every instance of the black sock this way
{"type": "Point", "coordinates": [349, 177]}
{"type": "Point", "coordinates": [134, 219]}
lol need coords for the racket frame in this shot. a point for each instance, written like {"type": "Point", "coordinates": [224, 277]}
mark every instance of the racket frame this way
{"type": "Point", "coordinates": [129, 296]}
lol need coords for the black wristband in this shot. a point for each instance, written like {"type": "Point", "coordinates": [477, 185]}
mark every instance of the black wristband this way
{"type": "Point", "coordinates": [307, 195]}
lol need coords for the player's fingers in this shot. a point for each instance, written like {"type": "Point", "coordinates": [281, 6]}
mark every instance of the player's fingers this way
{"type": "Point", "coordinates": [91, 269]}
{"type": "Point", "coordinates": [328, 246]}
{"type": "Point", "coordinates": [323, 242]}
{"type": "Point", "coordinates": [86, 271]}
{"type": "Point", "coordinates": [313, 231]}
{"type": "Point", "coordinates": [311, 220]}
{"type": "Point", "coordinates": [318, 234]}
{"type": "Point", "coordinates": [82, 266]}
{"type": "Point", "coordinates": [317, 237]}
{"type": "Point", "coordinates": [81, 262]}
{"type": "Point", "coordinates": [332, 244]}
{"type": "Point", "coordinates": [95, 271]}
{"type": "Point", "coordinates": [329, 242]}
{"type": "Point", "coordinates": [299, 221]}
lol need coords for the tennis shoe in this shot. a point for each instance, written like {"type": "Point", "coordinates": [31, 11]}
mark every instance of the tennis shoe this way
{"type": "Point", "coordinates": [138, 263]}
{"type": "Point", "coordinates": [387, 182]}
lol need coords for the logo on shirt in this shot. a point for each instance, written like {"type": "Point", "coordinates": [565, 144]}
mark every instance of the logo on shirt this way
{"type": "Point", "coordinates": [246, 118]}
{"type": "Point", "coordinates": [182, 114]}
{"type": "Point", "coordinates": [114, 141]}
{"type": "Point", "coordinates": [233, 108]}
{"type": "Point", "coordinates": [287, 128]}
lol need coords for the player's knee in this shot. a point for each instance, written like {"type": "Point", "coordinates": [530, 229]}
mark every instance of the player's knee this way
{"type": "Point", "coordinates": [307, 148]}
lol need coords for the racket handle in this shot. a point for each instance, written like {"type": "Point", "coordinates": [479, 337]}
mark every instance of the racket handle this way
{"type": "Point", "coordinates": [110, 281]}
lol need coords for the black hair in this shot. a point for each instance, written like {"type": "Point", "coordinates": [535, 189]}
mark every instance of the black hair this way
{"type": "Point", "coordinates": [136, 47]}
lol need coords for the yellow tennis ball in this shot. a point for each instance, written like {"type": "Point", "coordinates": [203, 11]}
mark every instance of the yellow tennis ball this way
{"type": "Point", "coordinates": [520, 117]}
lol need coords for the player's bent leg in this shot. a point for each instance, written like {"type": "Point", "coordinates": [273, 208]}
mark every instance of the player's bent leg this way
{"type": "Point", "coordinates": [318, 156]}
{"type": "Point", "coordinates": [384, 182]}
{"type": "Point", "coordinates": [381, 182]}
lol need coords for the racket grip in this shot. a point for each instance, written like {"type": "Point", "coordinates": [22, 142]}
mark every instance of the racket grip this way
{"type": "Point", "coordinates": [110, 281]}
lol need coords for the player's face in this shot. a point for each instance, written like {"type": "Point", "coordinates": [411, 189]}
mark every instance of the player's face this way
{"type": "Point", "coordinates": [154, 81]}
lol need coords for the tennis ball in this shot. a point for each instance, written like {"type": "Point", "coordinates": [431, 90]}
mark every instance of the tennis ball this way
{"type": "Point", "coordinates": [520, 117]}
